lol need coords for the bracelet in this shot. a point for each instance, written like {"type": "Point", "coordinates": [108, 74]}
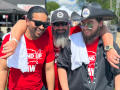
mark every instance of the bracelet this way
{"type": "Point", "coordinates": [15, 40]}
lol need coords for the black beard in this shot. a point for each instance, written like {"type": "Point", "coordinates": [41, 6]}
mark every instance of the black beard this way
{"type": "Point", "coordinates": [60, 39]}
{"type": "Point", "coordinates": [90, 39]}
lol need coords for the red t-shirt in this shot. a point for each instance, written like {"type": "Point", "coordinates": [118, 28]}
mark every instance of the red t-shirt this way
{"type": "Point", "coordinates": [91, 50]}
{"type": "Point", "coordinates": [48, 32]}
{"type": "Point", "coordinates": [39, 51]}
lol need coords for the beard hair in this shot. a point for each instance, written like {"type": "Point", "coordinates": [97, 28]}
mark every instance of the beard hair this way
{"type": "Point", "coordinates": [90, 39]}
{"type": "Point", "coordinates": [60, 39]}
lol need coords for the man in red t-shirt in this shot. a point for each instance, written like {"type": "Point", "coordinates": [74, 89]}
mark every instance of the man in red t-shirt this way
{"type": "Point", "coordinates": [58, 32]}
{"type": "Point", "coordinates": [40, 52]}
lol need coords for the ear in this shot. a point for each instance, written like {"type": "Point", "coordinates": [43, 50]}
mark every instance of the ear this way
{"type": "Point", "coordinates": [27, 21]}
{"type": "Point", "coordinates": [101, 23]}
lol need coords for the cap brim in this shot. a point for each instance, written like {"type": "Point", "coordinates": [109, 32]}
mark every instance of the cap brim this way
{"type": "Point", "coordinates": [59, 21]}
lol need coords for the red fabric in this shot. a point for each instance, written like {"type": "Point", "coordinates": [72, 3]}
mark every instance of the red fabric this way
{"type": "Point", "coordinates": [39, 51]}
{"type": "Point", "coordinates": [48, 32]}
{"type": "Point", "coordinates": [91, 50]}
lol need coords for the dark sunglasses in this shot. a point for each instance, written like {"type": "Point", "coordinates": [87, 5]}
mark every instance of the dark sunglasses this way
{"type": "Point", "coordinates": [62, 23]}
{"type": "Point", "coordinates": [89, 26]}
{"type": "Point", "coordinates": [39, 23]}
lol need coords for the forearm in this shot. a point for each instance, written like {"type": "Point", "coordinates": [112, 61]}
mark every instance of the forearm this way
{"type": "Point", "coordinates": [50, 78]}
{"type": "Point", "coordinates": [3, 79]}
{"type": "Point", "coordinates": [18, 29]}
{"type": "Point", "coordinates": [3, 74]}
{"type": "Point", "coordinates": [63, 79]}
{"type": "Point", "coordinates": [117, 82]}
{"type": "Point", "coordinates": [106, 36]}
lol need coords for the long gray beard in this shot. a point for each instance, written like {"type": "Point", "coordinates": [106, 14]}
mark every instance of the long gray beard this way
{"type": "Point", "coordinates": [60, 42]}
{"type": "Point", "coordinates": [90, 39]}
{"type": "Point", "coordinates": [60, 39]}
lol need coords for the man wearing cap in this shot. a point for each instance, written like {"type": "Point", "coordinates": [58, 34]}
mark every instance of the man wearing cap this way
{"type": "Point", "coordinates": [59, 33]}
{"type": "Point", "coordinates": [92, 72]}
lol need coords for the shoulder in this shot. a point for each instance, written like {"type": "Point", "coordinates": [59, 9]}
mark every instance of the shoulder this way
{"type": "Point", "coordinates": [75, 29]}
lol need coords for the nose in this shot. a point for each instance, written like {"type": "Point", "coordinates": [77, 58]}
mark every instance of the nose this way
{"type": "Point", "coordinates": [60, 27]}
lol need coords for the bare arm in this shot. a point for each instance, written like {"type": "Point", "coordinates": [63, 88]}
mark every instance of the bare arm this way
{"type": "Point", "coordinates": [107, 38]}
{"type": "Point", "coordinates": [3, 73]}
{"type": "Point", "coordinates": [50, 75]}
{"type": "Point", "coordinates": [117, 82]}
{"type": "Point", "coordinates": [63, 78]}
{"type": "Point", "coordinates": [17, 31]}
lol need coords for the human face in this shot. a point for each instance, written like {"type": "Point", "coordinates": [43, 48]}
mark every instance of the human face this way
{"type": "Point", "coordinates": [90, 34]}
{"type": "Point", "coordinates": [36, 26]}
{"type": "Point", "coordinates": [60, 31]}
{"type": "Point", "coordinates": [60, 27]}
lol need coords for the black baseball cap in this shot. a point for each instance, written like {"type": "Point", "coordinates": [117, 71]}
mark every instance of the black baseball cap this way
{"type": "Point", "coordinates": [59, 15]}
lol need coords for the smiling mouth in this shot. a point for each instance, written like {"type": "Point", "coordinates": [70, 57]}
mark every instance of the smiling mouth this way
{"type": "Point", "coordinates": [60, 31]}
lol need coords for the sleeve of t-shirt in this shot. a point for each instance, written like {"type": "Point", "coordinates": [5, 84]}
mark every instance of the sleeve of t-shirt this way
{"type": "Point", "coordinates": [75, 29]}
{"type": "Point", "coordinates": [50, 55]}
{"type": "Point", "coordinates": [4, 41]}
{"type": "Point", "coordinates": [64, 58]}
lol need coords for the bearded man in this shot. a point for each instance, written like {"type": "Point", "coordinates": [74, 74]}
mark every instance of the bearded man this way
{"type": "Point", "coordinates": [59, 32]}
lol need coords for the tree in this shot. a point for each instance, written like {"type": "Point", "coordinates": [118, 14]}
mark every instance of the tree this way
{"type": "Point", "coordinates": [105, 4]}
{"type": "Point", "coordinates": [51, 5]}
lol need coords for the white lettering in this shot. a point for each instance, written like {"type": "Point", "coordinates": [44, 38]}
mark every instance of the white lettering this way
{"type": "Point", "coordinates": [92, 58]}
{"type": "Point", "coordinates": [31, 68]}
{"type": "Point", "coordinates": [91, 71]}
{"type": "Point", "coordinates": [30, 55]}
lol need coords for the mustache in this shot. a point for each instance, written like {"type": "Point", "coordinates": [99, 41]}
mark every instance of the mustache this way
{"type": "Point", "coordinates": [60, 30]}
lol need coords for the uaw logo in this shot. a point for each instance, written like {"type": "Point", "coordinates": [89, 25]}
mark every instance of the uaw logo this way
{"type": "Point", "coordinates": [91, 56]}
{"type": "Point", "coordinates": [33, 56]}
{"type": "Point", "coordinates": [60, 14]}
{"type": "Point", "coordinates": [86, 12]}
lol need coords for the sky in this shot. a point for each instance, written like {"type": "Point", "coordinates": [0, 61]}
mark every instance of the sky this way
{"type": "Point", "coordinates": [70, 4]}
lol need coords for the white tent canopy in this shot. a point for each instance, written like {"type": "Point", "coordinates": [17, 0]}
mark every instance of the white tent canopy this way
{"type": "Point", "coordinates": [63, 8]}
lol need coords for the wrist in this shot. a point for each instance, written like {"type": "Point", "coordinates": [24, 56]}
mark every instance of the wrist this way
{"type": "Point", "coordinates": [15, 40]}
{"type": "Point", "coordinates": [108, 47]}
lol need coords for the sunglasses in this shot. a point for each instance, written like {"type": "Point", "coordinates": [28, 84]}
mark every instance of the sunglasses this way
{"type": "Point", "coordinates": [89, 26]}
{"type": "Point", "coordinates": [39, 23]}
{"type": "Point", "coordinates": [62, 23]}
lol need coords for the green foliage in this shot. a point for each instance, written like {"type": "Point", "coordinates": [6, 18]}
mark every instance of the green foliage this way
{"type": "Point", "coordinates": [51, 5]}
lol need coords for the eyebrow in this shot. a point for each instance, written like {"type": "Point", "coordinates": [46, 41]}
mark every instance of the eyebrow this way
{"type": "Point", "coordinates": [88, 22]}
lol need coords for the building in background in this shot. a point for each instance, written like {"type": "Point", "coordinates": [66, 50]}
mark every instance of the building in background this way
{"type": "Point", "coordinates": [26, 4]}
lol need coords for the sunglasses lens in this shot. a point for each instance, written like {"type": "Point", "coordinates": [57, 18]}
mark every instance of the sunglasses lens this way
{"type": "Point", "coordinates": [45, 25]}
{"type": "Point", "coordinates": [64, 23]}
{"type": "Point", "coordinates": [56, 24]}
{"type": "Point", "coordinates": [90, 26]}
{"type": "Point", "coordinates": [38, 23]}
{"type": "Point", "coordinates": [82, 25]}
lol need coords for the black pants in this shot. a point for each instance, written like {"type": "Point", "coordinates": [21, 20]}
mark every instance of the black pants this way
{"type": "Point", "coordinates": [43, 88]}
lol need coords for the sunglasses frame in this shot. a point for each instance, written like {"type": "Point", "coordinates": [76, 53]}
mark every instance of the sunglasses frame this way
{"type": "Point", "coordinates": [45, 24]}
{"type": "Point", "coordinates": [60, 24]}
{"type": "Point", "coordinates": [87, 26]}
